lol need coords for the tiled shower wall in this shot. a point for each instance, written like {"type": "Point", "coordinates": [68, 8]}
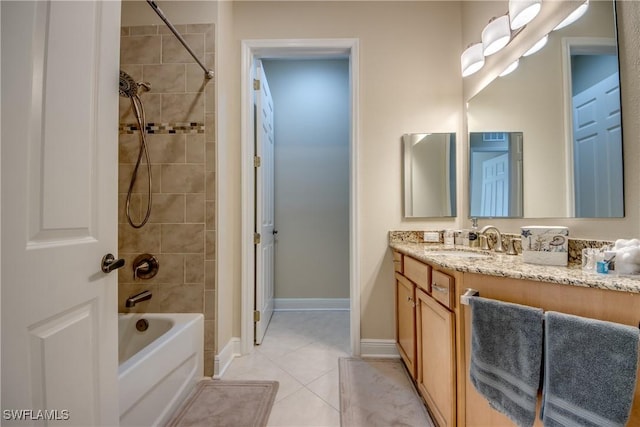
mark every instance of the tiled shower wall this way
{"type": "Point", "coordinates": [179, 110]}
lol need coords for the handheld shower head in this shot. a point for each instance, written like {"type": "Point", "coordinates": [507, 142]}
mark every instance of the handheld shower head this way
{"type": "Point", "coordinates": [129, 87]}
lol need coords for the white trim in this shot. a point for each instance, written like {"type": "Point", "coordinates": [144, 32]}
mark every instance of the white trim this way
{"type": "Point", "coordinates": [311, 304]}
{"type": "Point", "coordinates": [223, 359]}
{"type": "Point", "coordinates": [308, 48]}
{"type": "Point", "coordinates": [379, 348]}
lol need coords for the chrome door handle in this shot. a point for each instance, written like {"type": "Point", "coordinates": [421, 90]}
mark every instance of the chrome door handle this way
{"type": "Point", "coordinates": [110, 263]}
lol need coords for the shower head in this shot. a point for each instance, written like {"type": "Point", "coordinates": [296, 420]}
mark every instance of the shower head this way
{"type": "Point", "coordinates": [129, 87]}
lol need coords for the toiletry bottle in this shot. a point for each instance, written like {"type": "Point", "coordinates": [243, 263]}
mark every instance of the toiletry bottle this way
{"type": "Point", "coordinates": [449, 240]}
{"type": "Point", "coordinates": [474, 241]}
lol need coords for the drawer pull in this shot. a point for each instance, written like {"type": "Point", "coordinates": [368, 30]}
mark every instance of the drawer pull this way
{"type": "Point", "coordinates": [441, 289]}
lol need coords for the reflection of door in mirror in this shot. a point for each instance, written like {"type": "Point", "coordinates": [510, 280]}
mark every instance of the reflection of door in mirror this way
{"type": "Point", "coordinates": [597, 130]}
{"type": "Point", "coordinates": [495, 174]}
{"type": "Point", "coordinates": [429, 175]}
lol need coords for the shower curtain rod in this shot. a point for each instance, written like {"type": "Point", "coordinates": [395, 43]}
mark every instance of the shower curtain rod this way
{"type": "Point", "coordinates": [207, 72]}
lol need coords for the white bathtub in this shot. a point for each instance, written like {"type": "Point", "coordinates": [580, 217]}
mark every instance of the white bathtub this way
{"type": "Point", "coordinates": [158, 367]}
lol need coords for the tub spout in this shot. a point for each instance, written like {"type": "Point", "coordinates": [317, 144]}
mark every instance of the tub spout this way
{"type": "Point", "coordinates": [135, 299]}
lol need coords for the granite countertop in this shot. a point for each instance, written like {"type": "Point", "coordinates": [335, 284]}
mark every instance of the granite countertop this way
{"type": "Point", "coordinates": [512, 266]}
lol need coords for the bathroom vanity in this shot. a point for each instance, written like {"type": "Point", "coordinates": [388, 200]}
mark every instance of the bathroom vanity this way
{"type": "Point", "coordinates": [434, 328]}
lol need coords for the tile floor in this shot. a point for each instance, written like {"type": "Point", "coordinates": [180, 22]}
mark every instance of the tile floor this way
{"type": "Point", "coordinates": [301, 351]}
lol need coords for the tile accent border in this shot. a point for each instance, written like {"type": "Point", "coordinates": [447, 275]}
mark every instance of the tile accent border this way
{"type": "Point", "coordinates": [163, 128]}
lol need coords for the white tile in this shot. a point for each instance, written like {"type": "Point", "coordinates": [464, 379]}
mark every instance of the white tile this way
{"type": "Point", "coordinates": [310, 362]}
{"type": "Point", "coordinates": [258, 367]}
{"type": "Point", "coordinates": [327, 387]}
{"type": "Point", "coordinates": [303, 408]}
{"type": "Point", "coordinates": [300, 350]}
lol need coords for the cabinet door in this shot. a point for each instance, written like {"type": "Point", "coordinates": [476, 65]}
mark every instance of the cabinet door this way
{"type": "Point", "coordinates": [406, 322]}
{"type": "Point", "coordinates": [436, 358]}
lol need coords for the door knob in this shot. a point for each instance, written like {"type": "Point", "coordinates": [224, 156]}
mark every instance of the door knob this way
{"type": "Point", "coordinates": [110, 263]}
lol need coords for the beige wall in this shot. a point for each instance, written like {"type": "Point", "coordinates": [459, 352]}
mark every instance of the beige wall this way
{"type": "Point", "coordinates": [180, 233]}
{"type": "Point", "coordinates": [409, 82]}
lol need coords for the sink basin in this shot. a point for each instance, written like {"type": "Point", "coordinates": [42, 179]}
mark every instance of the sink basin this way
{"type": "Point", "coordinates": [459, 254]}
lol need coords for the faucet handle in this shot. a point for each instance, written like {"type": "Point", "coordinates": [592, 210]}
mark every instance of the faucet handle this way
{"type": "Point", "coordinates": [145, 266]}
{"type": "Point", "coordinates": [484, 244]}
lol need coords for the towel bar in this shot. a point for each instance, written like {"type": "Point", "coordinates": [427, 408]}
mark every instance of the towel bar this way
{"type": "Point", "coordinates": [468, 293]}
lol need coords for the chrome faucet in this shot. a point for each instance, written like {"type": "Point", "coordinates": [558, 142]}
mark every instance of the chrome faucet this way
{"type": "Point", "coordinates": [135, 299]}
{"type": "Point", "coordinates": [498, 246]}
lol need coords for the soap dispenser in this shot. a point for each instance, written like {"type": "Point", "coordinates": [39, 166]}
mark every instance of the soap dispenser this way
{"type": "Point", "coordinates": [474, 239]}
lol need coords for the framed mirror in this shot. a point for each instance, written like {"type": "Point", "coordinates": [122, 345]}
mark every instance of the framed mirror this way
{"type": "Point", "coordinates": [429, 175]}
{"type": "Point", "coordinates": [564, 102]}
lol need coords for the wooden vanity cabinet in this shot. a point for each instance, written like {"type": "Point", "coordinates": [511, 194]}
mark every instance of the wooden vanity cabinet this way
{"type": "Point", "coordinates": [436, 358]}
{"type": "Point", "coordinates": [434, 334]}
{"type": "Point", "coordinates": [613, 306]}
{"type": "Point", "coordinates": [425, 333]}
{"type": "Point", "coordinates": [406, 322]}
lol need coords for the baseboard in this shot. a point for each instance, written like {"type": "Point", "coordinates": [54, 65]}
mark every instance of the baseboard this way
{"type": "Point", "coordinates": [379, 348]}
{"type": "Point", "coordinates": [224, 358]}
{"type": "Point", "coordinates": [302, 304]}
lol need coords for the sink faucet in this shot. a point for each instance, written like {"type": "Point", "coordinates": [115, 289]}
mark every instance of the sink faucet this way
{"type": "Point", "coordinates": [135, 299]}
{"type": "Point", "coordinates": [498, 247]}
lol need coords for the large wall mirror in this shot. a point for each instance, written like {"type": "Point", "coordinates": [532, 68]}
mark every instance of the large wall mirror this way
{"type": "Point", "coordinates": [563, 106]}
{"type": "Point", "coordinates": [429, 165]}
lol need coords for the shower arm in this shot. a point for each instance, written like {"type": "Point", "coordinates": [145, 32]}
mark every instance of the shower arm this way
{"type": "Point", "coordinates": [207, 72]}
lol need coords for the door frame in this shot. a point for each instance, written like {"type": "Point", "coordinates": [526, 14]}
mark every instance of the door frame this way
{"type": "Point", "coordinates": [307, 49]}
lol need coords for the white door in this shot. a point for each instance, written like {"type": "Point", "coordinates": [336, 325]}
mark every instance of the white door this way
{"type": "Point", "coordinates": [495, 186]}
{"type": "Point", "coordinates": [265, 249]}
{"type": "Point", "coordinates": [597, 150]}
{"type": "Point", "coordinates": [59, 203]}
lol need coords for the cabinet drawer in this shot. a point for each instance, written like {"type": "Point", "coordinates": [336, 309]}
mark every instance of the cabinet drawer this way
{"type": "Point", "coordinates": [397, 261]}
{"type": "Point", "coordinates": [442, 288]}
{"type": "Point", "coordinates": [417, 272]}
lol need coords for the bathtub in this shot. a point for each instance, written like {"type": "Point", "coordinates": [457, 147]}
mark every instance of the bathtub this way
{"type": "Point", "coordinates": [158, 367]}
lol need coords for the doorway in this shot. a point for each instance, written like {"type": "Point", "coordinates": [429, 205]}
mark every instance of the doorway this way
{"type": "Point", "coordinates": [295, 49]}
{"type": "Point", "coordinates": [593, 127]}
{"type": "Point", "coordinates": [311, 98]}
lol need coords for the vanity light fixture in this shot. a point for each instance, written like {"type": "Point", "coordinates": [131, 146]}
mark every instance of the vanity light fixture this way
{"type": "Point", "coordinates": [496, 35]}
{"type": "Point", "coordinates": [472, 59]}
{"type": "Point", "coordinates": [574, 16]}
{"type": "Point", "coordinates": [510, 68]}
{"type": "Point", "coordinates": [521, 12]}
{"type": "Point", "coordinates": [536, 47]}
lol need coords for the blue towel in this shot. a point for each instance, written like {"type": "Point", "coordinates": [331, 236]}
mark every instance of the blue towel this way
{"type": "Point", "coordinates": [506, 356]}
{"type": "Point", "coordinates": [590, 371]}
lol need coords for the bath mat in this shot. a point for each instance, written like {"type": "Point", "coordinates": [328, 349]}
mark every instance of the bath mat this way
{"type": "Point", "coordinates": [379, 392]}
{"type": "Point", "coordinates": [227, 403]}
